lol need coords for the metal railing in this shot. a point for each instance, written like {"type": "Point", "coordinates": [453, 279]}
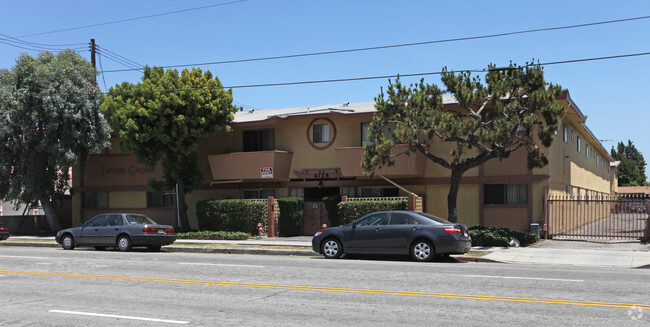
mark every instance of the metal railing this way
{"type": "Point", "coordinates": [600, 216]}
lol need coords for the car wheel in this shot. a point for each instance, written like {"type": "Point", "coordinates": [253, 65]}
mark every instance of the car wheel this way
{"type": "Point", "coordinates": [153, 248]}
{"type": "Point", "coordinates": [100, 248]}
{"type": "Point", "coordinates": [332, 248]}
{"type": "Point", "coordinates": [124, 243]}
{"type": "Point", "coordinates": [422, 250]}
{"type": "Point", "coordinates": [67, 242]}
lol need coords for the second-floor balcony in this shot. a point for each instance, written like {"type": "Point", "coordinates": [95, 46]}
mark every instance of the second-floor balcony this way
{"type": "Point", "coordinates": [251, 165]}
{"type": "Point", "coordinates": [411, 165]}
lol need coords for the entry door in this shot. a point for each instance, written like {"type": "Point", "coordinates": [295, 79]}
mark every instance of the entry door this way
{"type": "Point", "coordinates": [314, 216]}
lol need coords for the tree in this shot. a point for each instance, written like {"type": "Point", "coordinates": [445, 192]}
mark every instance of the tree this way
{"type": "Point", "coordinates": [50, 120]}
{"type": "Point", "coordinates": [488, 122]}
{"type": "Point", "coordinates": [631, 171]}
{"type": "Point", "coordinates": [165, 117]}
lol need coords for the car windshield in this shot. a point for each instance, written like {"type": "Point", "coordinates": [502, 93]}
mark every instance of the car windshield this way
{"type": "Point", "coordinates": [139, 219]}
{"type": "Point", "coordinates": [434, 218]}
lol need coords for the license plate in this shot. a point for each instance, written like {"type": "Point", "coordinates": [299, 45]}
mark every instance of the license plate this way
{"type": "Point", "coordinates": [161, 231]}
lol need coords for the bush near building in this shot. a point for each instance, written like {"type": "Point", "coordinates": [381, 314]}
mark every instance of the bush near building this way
{"type": "Point", "coordinates": [351, 210]}
{"type": "Point", "coordinates": [493, 236]}
{"type": "Point", "coordinates": [290, 219]}
{"type": "Point", "coordinates": [331, 205]}
{"type": "Point", "coordinates": [210, 235]}
{"type": "Point", "coordinates": [231, 215]}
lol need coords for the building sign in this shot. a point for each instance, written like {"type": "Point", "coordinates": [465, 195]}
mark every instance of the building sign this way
{"type": "Point", "coordinates": [266, 172]}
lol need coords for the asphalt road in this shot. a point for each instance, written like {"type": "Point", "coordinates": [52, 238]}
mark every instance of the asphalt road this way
{"type": "Point", "coordinates": [52, 287]}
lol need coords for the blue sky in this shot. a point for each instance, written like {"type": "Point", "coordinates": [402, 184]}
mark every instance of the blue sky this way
{"type": "Point", "coordinates": [613, 93]}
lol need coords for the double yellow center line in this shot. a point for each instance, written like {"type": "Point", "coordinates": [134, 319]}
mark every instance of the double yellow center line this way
{"type": "Point", "coordinates": [341, 290]}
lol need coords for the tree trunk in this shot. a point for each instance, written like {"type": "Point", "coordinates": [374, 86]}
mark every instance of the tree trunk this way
{"type": "Point", "coordinates": [454, 186]}
{"type": "Point", "coordinates": [50, 214]}
{"type": "Point", "coordinates": [182, 210]}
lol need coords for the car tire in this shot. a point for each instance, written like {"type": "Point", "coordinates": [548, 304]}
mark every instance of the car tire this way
{"type": "Point", "coordinates": [332, 248]}
{"type": "Point", "coordinates": [67, 242]}
{"type": "Point", "coordinates": [154, 248]}
{"type": "Point", "coordinates": [124, 243]}
{"type": "Point", "coordinates": [100, 248]}
{"type": "Point", "coordinates": [422, 250]}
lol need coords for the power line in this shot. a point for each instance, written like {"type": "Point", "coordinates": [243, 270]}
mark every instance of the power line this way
{"type": "Point", "coordinates": [402, 45]}
{"type": "Point", "coordinates": [16, 40]}
{"type": "Point", "coordinates": [118, 59]}
{"type": "Point", "coordinates": [388, 76]}
{"type": "Point", "coordinates": [132, 19]}
{"type": "Point", "coordinates": [117, 55]}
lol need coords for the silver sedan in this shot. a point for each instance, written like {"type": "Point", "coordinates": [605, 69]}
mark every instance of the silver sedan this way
{"type": "Point", "coordinates": [120, 230]}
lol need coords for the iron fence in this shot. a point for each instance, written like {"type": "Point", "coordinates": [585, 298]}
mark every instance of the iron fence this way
{"type": "Point", "coordinates": [600, 216]}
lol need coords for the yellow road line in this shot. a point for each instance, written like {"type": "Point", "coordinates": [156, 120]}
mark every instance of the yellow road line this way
{"type": "Point", "coordinates": [342, 290]}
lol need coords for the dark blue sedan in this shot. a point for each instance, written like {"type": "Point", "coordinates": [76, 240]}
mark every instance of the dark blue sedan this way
{"type": "Point", "coordinates": [120, 230]}
{"type": "Point", "coordinates": [421, 235]}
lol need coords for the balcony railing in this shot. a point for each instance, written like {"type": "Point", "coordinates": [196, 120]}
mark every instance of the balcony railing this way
{"type": "Point", "coordinates": [405, 165]}
{"type": "Point", "coordinates": [251, 165]}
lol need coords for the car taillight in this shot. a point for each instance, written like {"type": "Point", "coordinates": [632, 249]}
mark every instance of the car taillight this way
{"type": "Point", "coordinates": [454, 230]}
{"type": "Point", "coordinates": [169, 231]}
{"type": "Point", "coordinates": [4, 229]}
{"type": "Point", "coordinates": [148, 230]}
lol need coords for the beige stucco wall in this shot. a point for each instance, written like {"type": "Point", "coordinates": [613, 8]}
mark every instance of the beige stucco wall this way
{"type": "Point", "coordinates": [467, 201]}
{"type": "Point", "coordinates": [122, 200]}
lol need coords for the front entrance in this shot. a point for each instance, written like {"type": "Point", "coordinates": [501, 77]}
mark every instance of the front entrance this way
{"type": "Point", "coordinates": [314, 212]}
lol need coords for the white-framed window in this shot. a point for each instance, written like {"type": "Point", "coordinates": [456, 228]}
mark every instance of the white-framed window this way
{"type": "Point", "coordinates": [571, 135]}
{"type": "Point", "coordinates": [565, 134]}
{"type": "Point", "coordinates": [579, 144]}
{"type": "Point", "coordinates": [586, 150]}
{"type": "Point", "coordinates": [321, 133]}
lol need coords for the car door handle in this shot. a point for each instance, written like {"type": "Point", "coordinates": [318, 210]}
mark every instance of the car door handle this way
{"type": "Point", "coordinates": [97, 229]}
{"type": "Point", "coordinates": [415, 228]}
{"type": "Point", "coordinates": [379, 229]}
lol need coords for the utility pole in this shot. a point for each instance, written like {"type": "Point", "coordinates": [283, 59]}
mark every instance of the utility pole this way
{"type": "Point", "coordinates": [92, 53]}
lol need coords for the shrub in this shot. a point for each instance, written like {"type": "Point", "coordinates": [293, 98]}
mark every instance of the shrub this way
{"type": "Point", "coordinates": [290, 220]}
{"type": "Point", "coordinates": [210, 235]}
{"type": "Point", "coordinates": [231, 215]}
{"type": "Point", "coordinates": [493, 236]}
{"type": "Point", "coordinates": [351, 210]}
{"type": "Point", "coordinates": [331, 204]}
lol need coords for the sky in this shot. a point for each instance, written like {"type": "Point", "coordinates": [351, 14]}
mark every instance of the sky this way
{"type": "Point", "coordinates": [613, 93]}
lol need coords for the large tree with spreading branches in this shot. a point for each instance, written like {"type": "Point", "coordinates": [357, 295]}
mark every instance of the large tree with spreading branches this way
{"type": "Point", "coordinates": [631, 171]}
{"type": "Point", "coordinates": [49, 121]}
{"type": "Point", "coordinates": [164, 118]}
{"type": "Point", "coordinates": [513, 109]}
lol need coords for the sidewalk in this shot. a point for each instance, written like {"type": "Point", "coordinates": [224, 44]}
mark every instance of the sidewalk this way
{"type": "Point", "coordinates": [588, 253]}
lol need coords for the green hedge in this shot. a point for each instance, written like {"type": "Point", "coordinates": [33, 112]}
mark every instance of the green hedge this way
{"type": "Point", "coordinates": [492, 236]}
{"type": "Point", "coordinates": [351, 210]}
{"type": "Point", "coordinates": [209, 235]}
{"type": "Point", "coordinates": [332, 205]}
{"type": "Point", "coordinates": [231, 215]}
{"type": "Point", "coordinates": [290, 220]}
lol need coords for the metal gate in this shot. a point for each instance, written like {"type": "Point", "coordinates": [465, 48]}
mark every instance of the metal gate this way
{"type": "Point", "coordinates": [600, 216]}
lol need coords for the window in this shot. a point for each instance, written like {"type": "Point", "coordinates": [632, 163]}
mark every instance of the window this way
{"type": "Point", "coordinates": [401, 219]}
{"type": "Point", "coordinates": [586, 150]}
{"type": "Point", "coordinates": [565, 135]}
{"type": "Point", "coordinates": [114, 220]}
{"type": "Point", "coordinates": [373, 220]}
{"type": "Point", "coordinates": [579, 145]}
{"type": "Point", "coordinates": [259, 140]}
{"type": "Point", "coordinates": [379, 192]}
{"type": "Point", "coordinates": [571, 135]}
{"type": "Point", "coordinates": [259, 194]}
{"type": "Point", "coordinates": [97, 221]}
{"type": "Point", "coordinates": [321, 133]}
{"type": "Point", "coordinates": [386, 130]}
{"type": "Point", "coordinates": [161, 200]}
{"type": "Point", "coordinates": [95, 200]}
{"type": "Point", "coordinates": [511, 194]}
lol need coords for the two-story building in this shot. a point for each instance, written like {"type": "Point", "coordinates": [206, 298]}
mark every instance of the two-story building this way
{"type": "Point", "coordinates": [312, 152]}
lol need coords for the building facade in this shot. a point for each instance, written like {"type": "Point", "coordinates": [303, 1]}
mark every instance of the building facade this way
{"type": "Point", "coordinates": [313, 152]}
